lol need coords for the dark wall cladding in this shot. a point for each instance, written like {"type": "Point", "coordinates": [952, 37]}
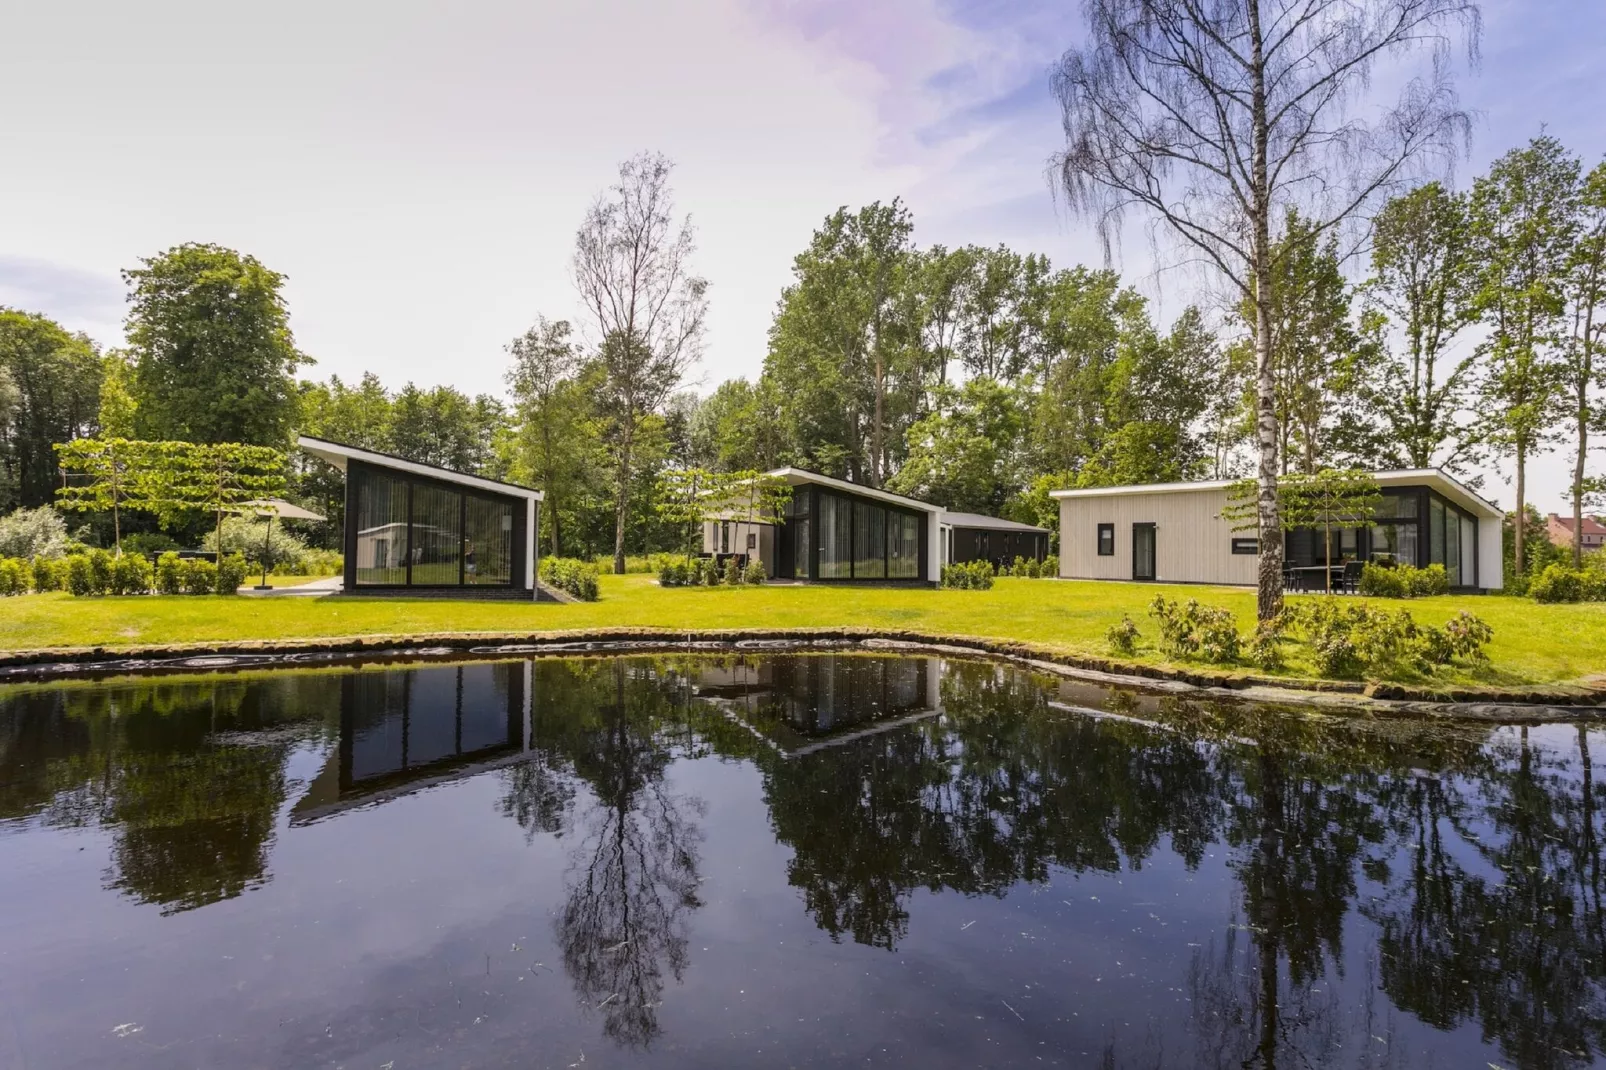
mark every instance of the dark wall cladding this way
{"type": "Point", "coordinates": [407, 531]}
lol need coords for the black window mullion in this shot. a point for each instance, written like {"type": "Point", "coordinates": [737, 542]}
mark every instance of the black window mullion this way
{"type": "Point", "coordinates": [462, 541]}
{"type": "Point", "coordinates": [409, 550]}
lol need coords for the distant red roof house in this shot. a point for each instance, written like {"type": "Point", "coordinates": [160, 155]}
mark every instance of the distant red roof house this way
{"type": "Point", "coordinates": [1560, 529]}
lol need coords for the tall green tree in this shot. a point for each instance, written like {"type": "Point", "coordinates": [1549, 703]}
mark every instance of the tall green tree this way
{"type": "Point", "coordinates": [967, 454]}
{"type": "Point", "coordinates": [355, 414]}
{"type": "Point", "coordinates": [553, 389]}
{"type": "Point", "coordinates": [214, 357]}
{"type": "Point", "coordinates": [632, 264]}
{"type": "Point", "coordinates": [117, 404]}
{"type": "Point", "coordinates": [49, 393]}
{"type": "Point", "coordinates": [1215, 119]}
{"type": "Point", "coordinates": [444, 427]}
{"type": "Point", "coordinates": [844, 347]}
{"type": "Point", "coordinates": [1524, 223]}
{"type": "Point", "coordinates": [738, 426]}
{"type": "Point", "coordinates": [1584, 372]}
{"type": "Point", "coordinates": [1412, 396]}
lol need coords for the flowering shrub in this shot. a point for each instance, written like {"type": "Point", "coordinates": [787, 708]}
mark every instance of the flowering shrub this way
{"type": "Point", "coordinates": [1191, 630]}
{"type": "Point", "coordinates": [1123, 636]}
{"type": "Point", "coordinates": [1348, 639]}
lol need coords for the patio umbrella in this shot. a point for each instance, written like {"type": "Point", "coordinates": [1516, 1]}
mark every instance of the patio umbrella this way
{"type": "Point", "coordinates": [270, 508]}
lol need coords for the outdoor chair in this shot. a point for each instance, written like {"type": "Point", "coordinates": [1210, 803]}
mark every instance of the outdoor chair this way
{"type": "Point", "coordinates": [1352, 576]}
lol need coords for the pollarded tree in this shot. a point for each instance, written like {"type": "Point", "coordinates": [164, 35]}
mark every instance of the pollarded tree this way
{"type": "Point", "coordinates": [1216, 116]}
{"type": "Point", "coordinates": [1328, 499]}
{"type": "Point", "coordinates": [632, 265]}
{"type": "Point", "coordinates": [220, 477]}
{"type": "Point", "coordinates": [116, 476]}
{"type": "Point", "coordinates": [214, 356]}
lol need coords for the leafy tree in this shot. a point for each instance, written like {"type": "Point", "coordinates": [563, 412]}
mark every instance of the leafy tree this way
{"type": "Point", "coordinates": [685, 498]}
{"type": "Point", "coordinates": [1216, 119]}
{"type": "Point", "coordinates": [739, 426]}
{"type": "Point", "coordinates": [49, 393]}
{"type": "Point", "coordinates": [633, 268]}
{"type": "Point", "coordinates": [1424, 284]}
{"type": "Point", "coordinates": [444, 427]}
{"type": "Point", "coordinates": [1311, 341]}
{"type": "Point", "coordinates": [1583, 372]}
{"type": "Point", "coordinates": [553, 389]}
{"type": "Point", "coordinates": [843, 345]}
{"type": "Point", "coordinates": [1524, 225]}
{"type": "Point", "coordinates": [117, 404]}
{"type": "Point", "coordinates": [358, 415]}
{"type": "Point", "coordinates": [941, 276]}
{"type": "Point", "coordinates": [1001, 313]}
{"type": "Point", "coordinates": [219, 477]}
{"type": "Point", "coordinates": [966, 454]}
{"type": "Point", "coordinates": [214, 356]}
{"type": "Point", "coordinates": [117, 475]}
{"type": "Point", "coordinates": [1326, 499]}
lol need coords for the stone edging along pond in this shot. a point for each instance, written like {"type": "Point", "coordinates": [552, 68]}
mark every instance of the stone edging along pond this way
{"type": "Point", "coordinates": [1532, 705]}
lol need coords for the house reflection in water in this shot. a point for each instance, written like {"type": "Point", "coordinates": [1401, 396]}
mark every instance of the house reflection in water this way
{"type": "Point", "coordinates": [801, 704]}
{"type": "Point", "coordinates": [403, 730]}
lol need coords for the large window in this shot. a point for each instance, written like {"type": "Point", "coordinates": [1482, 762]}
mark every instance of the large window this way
{"type": "Point", "coordinates": [836, 538]}
{"type": "Point", "coordinates": [903, 546]}
{"type": "Point", "coordinates": [381, 528]}
{"type": "Point", "coordinates": [487, 542]}
{"type": "Point", "coordinates": [869, 541]}
{"type": "Point", "coordinates": [424, 534]}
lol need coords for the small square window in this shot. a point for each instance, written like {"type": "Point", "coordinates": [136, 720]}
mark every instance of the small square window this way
{"type": "Point", "coordinates": [1246, 546]}
{"type": "Point", "coordinates": [752, 540]}
{"type": "Point", "coordinates": [1106, 540]}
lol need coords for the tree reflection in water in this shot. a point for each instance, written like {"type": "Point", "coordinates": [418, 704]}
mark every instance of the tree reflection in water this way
{"type": "Point", "coordinates": [1472, 858]}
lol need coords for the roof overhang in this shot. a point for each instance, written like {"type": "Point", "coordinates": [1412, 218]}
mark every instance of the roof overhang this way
{"type": "Point", "coordinates": [338, 454]}
{"type": "Point", "coordinates": [1450, 488]}
{"type": "Point", "coordinates": [798, 477]}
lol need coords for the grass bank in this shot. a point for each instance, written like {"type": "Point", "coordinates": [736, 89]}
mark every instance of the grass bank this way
{"type": "Point", "coordinates": [1533, 644]}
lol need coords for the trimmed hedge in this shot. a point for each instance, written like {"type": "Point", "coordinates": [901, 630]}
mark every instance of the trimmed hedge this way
{"type": "Point", "coordinates": [578, 578]}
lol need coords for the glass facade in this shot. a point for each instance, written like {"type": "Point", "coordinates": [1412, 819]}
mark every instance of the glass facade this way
{"type": "Point", "coordinates": [418, 533]}
{"type": "Point", "coordinates": [860, 540]}
{"type": "Point", "coordinates": [1412, 526]}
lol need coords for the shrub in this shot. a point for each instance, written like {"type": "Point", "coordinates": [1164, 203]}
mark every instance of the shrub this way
{"type": "Point", "coordinates": [1051, 567]}
{"type": "Point", "coordinates": [733, 572]}
{"type": "Point", "coordinates": [78, 575]}
{"type": "Point", "coordinates": [969, 576]}
{"type": "Point", "coordinates": [151, 544]}
{"type": "Point", "coordinates": [671, 574]}
{"type": "Point", "coordinates": [29, 533]}
{"type": "Point", "coordinates": [1349, 639]}
{"type": "Point", "coordinates": [1559, 583]}
{"type": "Point", "coordinates": [200, 575]}
{"type": "Point", "coordinates": [753, 574]}
{"type": "Point", "coordinates": [711, 576]}
{"type": "Point", "coordinates": [169, 574]}
{"type": "Point", "coordinates": [1189, 630]}
{"type": "Point", "coordinates": [49, 574]}
{"type": "Point", "coordinates": [578, 578]}
{"type": "Point", "coordinates": [1123, 636]}
{"type": "Point", "coordinates": [1266, 645]}
{"type": "Point", "coordinates": [1380, 581]}
{"type": "Point", "coordinates": [14, 576]}
{"type": "Point", "coordinates": [312, 563]}
{"type": "Point", "coordinates": [131, 574]}
{"type": "Point", "coordinates": [1403, 581]}
{"type": "Point", "coordinates": [230, 573]}
{"type": "Point", "coordinates": [1465, 636]}
{"type": "Point", "coordinates": [245, 536]}
{"type": "Point", "coordinates": [100, 571]}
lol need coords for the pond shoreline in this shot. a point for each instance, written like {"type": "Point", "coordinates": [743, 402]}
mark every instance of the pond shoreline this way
{"type": "Point", "coordinates": [1355, 698]}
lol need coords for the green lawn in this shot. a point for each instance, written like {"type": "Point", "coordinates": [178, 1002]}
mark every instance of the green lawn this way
{"type": "Point", "coordinates": [1533, 644]}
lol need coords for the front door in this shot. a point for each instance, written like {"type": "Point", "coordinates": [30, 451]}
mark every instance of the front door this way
{"type": "Point", "coordinates": [1143, 551]}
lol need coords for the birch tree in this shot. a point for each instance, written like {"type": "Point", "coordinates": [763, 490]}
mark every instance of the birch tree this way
{"type": "Point", "coordinates": [1214, 117]}
{"type": "Point", "coordinates": [1584, 373]}
{"type": "Point", "coordinates": [632, 266]}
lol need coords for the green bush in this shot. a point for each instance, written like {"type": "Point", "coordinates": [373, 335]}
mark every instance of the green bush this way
{"type": "Point", "coordinates": [14, 576]}
{"type": "Point", "coordinates": [1559, 583]}
{"type": "Point", "coordinates": [753, 574]}
{"type": "Point", "coordinates": [1051, 567]}
{"type": "Point", "coordinates": [230, 574]}
{"type": "Point", "coordinates": [78, 575]}
{"type": "Point", "coordinates": [578, 578]}
{"type": "Point", "coordinates": [199, 575]}
{"type": "Point", "coordinates": [711, 575]}
{"type": "Point", "coordinates": [1348, 639]}
{"type": "Point", "coordinates": [969, 576]}
{"type": "Point", "coordinates": [131, 574]}
{"type": "Point", "coordinates": [100, 571]}
{"type": "Point", "coordinates": [1266, 645]}
{"type": "Point", "coordinates": [1192, 630]}
{"type": "Point", "coordinates": [170, 574]}
{"type": "Point", "coordinates": [1123, 637]}
{"type": "Point", "coordinates": [151, 544]}
{"type": "Point", "coordinates": [313, 563]}
{"type": "Point", "coordinates": [246, 535]}
{"type": "Point", "coordinates": [671, 573]}
{"type": "Point", "coordinates": [733, 572]}
{"type": "Point", "coordinates": [49, 574]}
{"type": "Point", "coordinates": [1403, 581]}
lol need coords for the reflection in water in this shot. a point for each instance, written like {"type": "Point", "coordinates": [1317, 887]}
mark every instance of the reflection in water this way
{"type": "Point", "coordinates": [1385, 879]}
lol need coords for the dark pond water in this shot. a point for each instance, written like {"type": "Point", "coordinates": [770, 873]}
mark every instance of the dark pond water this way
{"type": "Point", "coordinates": [788, 861]}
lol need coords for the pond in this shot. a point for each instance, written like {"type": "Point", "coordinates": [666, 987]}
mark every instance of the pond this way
{"type": "Point", "coordinates": [798, 860]}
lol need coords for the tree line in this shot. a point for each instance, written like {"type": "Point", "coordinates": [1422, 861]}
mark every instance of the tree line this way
{"type": "Point", "coordinates": [976, 378]}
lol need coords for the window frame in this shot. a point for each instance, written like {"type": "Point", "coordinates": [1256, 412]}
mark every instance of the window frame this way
{"type": "Point", "coordinates": [1106, 549]}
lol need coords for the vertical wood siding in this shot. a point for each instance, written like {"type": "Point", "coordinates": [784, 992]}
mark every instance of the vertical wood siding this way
{"type": "Point", "coordinates": [1192, 543]}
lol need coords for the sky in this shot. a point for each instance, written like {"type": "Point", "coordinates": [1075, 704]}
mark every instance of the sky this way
{"type": "Point", "coordinates": [418, 170]}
